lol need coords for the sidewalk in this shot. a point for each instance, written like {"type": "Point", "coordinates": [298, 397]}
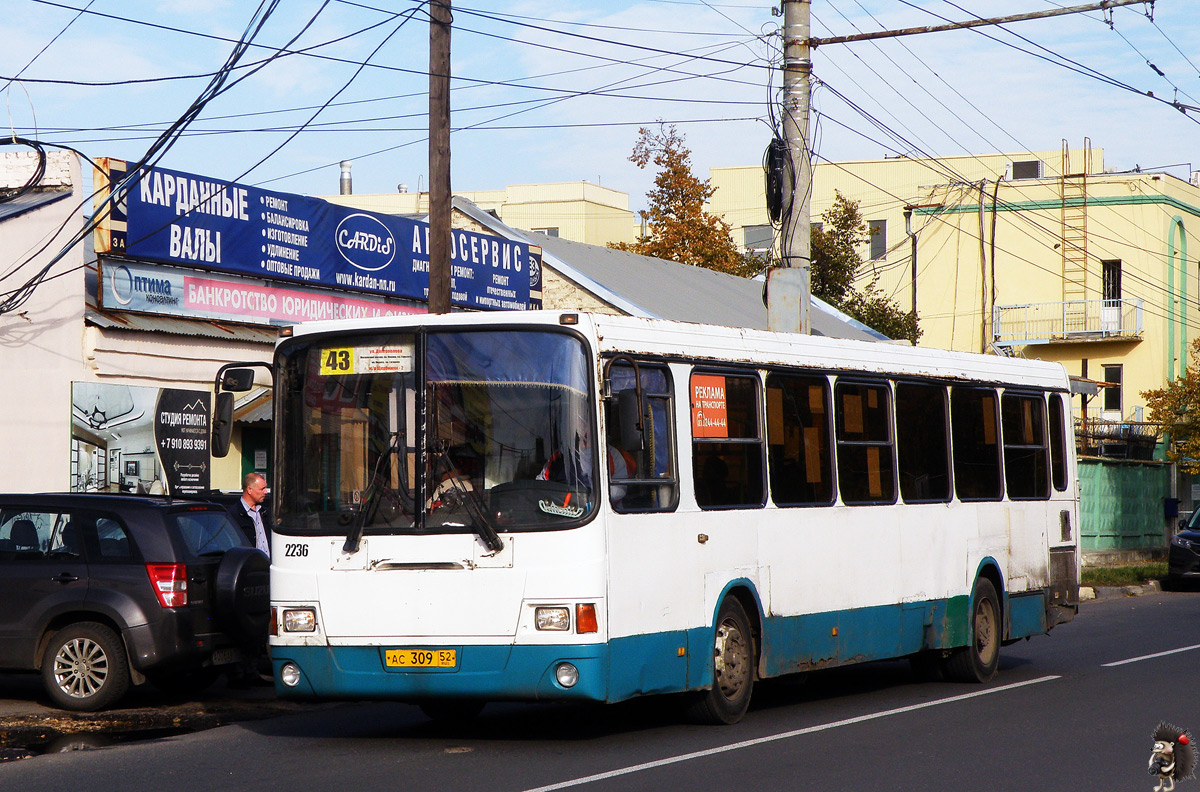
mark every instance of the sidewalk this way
{"type": "Point", "coordinates": [1087, 593]}
{"type": "Point", "coordinates": [30, 727]}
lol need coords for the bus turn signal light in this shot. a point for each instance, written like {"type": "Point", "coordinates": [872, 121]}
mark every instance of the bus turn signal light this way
{"type": "Point", "coordinates": [585, 618]}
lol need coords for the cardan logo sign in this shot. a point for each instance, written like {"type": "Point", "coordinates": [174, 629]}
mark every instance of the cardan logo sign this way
{"type": "Point", "coordinates": [365, 242]}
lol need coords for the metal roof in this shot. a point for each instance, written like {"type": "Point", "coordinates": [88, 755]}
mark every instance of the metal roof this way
{"type": "Point", "coordinates": [669, 290]}
{"type": "Point", "coordinates": [659, 289]}
{"type": "Point", "coordinates": [30, 201]}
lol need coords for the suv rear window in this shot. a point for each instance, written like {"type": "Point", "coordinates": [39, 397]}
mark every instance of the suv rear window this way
{"type": "Point", "coordinates": [207, 532]}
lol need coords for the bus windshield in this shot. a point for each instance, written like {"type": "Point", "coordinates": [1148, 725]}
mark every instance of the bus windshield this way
{"type": "Point", "coordinates": [506, 433]}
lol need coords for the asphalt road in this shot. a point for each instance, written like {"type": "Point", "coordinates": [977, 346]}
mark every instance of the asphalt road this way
{"type": "Point", "coordinates": [1072, 711]}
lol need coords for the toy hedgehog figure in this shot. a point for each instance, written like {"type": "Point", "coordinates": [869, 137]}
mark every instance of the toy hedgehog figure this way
{"type": "Point", "coordinates": [1173, 757]}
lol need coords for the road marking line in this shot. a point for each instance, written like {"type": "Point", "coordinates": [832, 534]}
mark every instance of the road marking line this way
{"type": "Point", "coordinates": [1150, 656]}
{"type": "Point", "coordinates": [783, 736]}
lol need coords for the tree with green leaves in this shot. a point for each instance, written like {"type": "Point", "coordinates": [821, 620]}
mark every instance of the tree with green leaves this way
{"type": "Point", "coordinates": [836, 264]}
{"type": "Point", "coordinates": [679, 229]}
{"type": "Point", "coordinates": [1176, 410]}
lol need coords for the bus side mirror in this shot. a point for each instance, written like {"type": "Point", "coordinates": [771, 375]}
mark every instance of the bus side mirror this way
{"type": "Point", "coordinates": [238, 380]}
{"type": "Point", "coordinates": [222, 431]}
{"type": "Point", "coordinates": [629, 419]}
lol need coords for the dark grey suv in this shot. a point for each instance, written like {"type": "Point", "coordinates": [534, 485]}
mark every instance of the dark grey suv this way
{"type": "Point", "coordinates": [101, 591]}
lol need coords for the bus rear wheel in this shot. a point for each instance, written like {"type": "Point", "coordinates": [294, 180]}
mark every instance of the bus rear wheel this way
{"type": "Point", "coordinates": [734, 658]}
{"type": "Point", "coordinates": [977, 662]}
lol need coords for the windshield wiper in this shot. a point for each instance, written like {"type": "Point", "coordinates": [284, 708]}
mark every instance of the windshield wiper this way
{"type": "Point", "coordinates": [375, 489]}
{"type": "Point", "coordinates": [471, 500]}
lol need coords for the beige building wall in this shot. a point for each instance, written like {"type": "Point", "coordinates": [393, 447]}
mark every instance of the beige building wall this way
{"type": "Point", "coordinates": [579, 211]}
{"type": "Point", "coordinates": [995, 250]}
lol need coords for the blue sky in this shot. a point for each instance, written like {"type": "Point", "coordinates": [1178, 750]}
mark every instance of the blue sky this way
{"type": "Point", "coordinates": [547, 91]}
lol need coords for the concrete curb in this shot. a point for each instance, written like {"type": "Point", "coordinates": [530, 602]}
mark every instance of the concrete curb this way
{"type": "Point", "coordinates": [1087, 593]}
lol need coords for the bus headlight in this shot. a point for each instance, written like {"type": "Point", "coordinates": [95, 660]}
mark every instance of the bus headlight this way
{"type": "Point", "coordinates": [552, 618]}
{"type": "Point", "coordinates": [299, 620]}
{"type": "Point", "coordinates": [566, 674]}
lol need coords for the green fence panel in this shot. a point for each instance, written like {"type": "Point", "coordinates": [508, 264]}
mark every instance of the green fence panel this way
{"type": "Point", "coordinates": [1121, 504]}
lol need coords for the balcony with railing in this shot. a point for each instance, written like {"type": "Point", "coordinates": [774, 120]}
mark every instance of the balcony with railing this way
{"type": "Point", "coordinates": [1076, 320]}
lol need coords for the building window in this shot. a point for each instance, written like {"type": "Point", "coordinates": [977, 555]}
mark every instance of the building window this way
{"type": "Point", "coordinates": [878, 232]}
{"type": "Point", "coordinates": [758, 238]}
{"type": "Point", "coordinates": [550, 232]}
{"type": "Point", "coordinates": [1112, 394]}
{"type": "Point", "coordinates": [1027, 169]}
{"type": "Point", "coordinates": [1111, 271]}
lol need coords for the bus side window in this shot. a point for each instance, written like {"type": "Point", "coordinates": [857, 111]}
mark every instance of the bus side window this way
{"type": "Point", "coordinates": [642, 479]}
{"type": "Point", "coordinates": [1026, 457]}
{"type": "Point", "coordinates": [1058, 445]}
{"type": "Point", "coordinates": [865, 458]}
{"type": "Point", "coordinates": [976, 444]}
{"type": "Point", "coordinates": [923, 442]}
{"type": "Point", "coordinates": [799, 454]}
{"type": "Point", "coordinates": [727, 447]}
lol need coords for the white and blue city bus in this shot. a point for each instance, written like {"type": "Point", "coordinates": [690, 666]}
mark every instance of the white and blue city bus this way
{"type": "Point", "coordinates": [568, 506]}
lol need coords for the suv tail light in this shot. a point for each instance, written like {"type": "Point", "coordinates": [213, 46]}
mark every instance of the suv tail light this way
{"type": "Point", "coordinates": [170, 584]}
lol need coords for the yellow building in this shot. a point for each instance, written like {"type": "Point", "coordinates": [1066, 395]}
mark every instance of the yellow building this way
{"type": "Point", "coordinates": [1037, 254]}
{"type": "Point", "coordinates": [579, 211]}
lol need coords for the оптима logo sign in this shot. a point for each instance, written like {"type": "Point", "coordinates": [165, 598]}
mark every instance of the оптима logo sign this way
{"type": "Point", "coordinates": [365, 242]}
{"type": "Point", "coordinates": [121, 285]}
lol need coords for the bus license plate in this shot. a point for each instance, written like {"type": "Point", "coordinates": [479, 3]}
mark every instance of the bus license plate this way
{"type": "Point", "coordinates": [421, 658]}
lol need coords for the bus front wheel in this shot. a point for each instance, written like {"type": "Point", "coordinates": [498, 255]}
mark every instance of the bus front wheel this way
{"type": "Point", "coordinates": [733, 668]}
{"type": "Point", "coordinates": [977, 661]}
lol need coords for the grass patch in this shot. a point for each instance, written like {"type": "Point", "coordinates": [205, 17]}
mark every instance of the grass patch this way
{"type": "Point", "coordinates": [1125, 575]}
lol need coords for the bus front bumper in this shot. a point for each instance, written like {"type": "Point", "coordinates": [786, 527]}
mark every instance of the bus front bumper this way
{"type": "Point", "coordinates": [493, 673]}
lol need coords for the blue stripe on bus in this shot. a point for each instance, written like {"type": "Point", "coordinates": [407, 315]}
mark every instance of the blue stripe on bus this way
{"type": "Point", "coordinates": [647, 664]}
{"type": "Point", "coordinates": [1026, 614]}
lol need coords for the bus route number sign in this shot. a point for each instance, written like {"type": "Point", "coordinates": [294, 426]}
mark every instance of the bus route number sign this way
{"type": "Point", "coordinates": [379, 359]}
{"type": "Point", "coordinates": [421, 658]}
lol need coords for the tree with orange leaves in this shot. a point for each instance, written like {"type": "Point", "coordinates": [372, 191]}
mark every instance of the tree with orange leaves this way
{"type": "Point", "coordinates": [679, 227]}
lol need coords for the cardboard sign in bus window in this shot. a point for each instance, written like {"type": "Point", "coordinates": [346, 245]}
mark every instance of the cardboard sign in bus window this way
{"type": "Point", "coordinates": [709, 406]}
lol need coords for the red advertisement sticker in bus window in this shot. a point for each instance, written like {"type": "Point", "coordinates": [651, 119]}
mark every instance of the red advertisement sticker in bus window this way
{"type": "Point", "coordinates": [709, 416]}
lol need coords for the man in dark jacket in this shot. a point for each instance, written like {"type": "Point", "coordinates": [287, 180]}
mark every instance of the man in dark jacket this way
{"type": "Point", "coordinates": [251, 515]}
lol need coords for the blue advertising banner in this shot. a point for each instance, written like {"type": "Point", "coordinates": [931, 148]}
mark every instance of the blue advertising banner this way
{"type": "Point", "coordinates": [180, 218]}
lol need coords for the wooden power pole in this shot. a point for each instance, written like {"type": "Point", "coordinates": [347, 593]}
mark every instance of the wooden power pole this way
{"type": "Point", "coordinates": [439, 156]}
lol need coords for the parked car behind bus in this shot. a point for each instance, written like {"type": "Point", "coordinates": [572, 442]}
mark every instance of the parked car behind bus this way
{"type": "Point", "coordinates": [100, 591]}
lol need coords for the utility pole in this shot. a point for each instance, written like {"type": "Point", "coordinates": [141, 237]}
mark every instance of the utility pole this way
{"type": "Point", "coordinates": [788, 297]}
{"type": "Point", "coordinates": [439, 156]}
